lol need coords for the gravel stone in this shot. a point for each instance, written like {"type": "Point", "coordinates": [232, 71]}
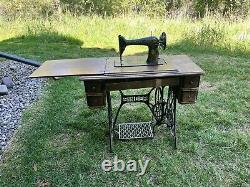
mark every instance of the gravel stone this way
{"type": "Point", "coordinates": [3, 90]}
{"type": "Point", "coordinates": [13, 68]}
{"type": "Point", "coordinates": [24, 92]}
{"type": "Point", "coordinates": [8, 82]}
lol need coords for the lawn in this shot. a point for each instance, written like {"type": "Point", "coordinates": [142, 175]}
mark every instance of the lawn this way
{"type": "Point", "coordinates": [63, 143]}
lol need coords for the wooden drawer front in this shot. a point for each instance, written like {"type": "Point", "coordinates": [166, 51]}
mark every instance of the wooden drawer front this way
{"type": "Point", "coordinates": [96, 100]}
{"type": "Point", "coordinates": [95, 92]}
{"type": "Point", "coordinates": [94, 86]}
{"type": "Point", "coordinates": [187, 96]}
{"type": "Point", "coordinates": [147, 83]}
{"type": "Point", "coordinates": [190, 82]}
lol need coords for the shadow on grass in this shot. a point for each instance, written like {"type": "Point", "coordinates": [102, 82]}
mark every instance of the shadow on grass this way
{"type": "Point", "coordinates": [49, 46]}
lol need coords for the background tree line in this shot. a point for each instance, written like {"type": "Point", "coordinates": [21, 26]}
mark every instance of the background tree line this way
{"type": "Point", "coordinates": [187, 8]}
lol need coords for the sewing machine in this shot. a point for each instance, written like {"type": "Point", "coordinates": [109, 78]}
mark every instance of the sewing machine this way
{"type": "Point", "coordinates": [103, 75]}
{"type": "Point", "coordinates": [152, 42]}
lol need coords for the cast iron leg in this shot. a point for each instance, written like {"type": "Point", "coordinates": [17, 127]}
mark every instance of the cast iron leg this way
{"type": "Point", "coordinates": [110, 122]}
{"type": "Point", "coordinates": [118, 110]}
{"type": "Point", "coordinates": [174, 122]}
{"type": "Point", "coordinates": [171, 113]}
{"type": "Point", "coordinates": [159, 103]}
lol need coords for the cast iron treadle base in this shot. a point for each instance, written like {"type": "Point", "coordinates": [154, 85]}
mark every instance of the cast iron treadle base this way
{"type": "Point", "coordinates": [163, 111]}
{"type": "Point", "coordinates": [135, 130]}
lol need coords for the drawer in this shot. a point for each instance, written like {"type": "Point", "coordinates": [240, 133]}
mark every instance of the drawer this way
{"type": "Point", "coordinates": [190, 82]}
{"type": "Point", "coordinates": [95, 93]}
{"type": "Point", "coordinates": [94, 86]}
{"type": "Point", "coordinates": [96, 100]}
{"type": "Point", "coordinates": [187, 96]}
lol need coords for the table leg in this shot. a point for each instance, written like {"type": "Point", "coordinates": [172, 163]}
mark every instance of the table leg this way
{"type": "Point", "coordinates": [171, 113]}
{"type": "Point", "coordinates": [110, 122]}
{"type": "Point", "coordinates": [174, 123]}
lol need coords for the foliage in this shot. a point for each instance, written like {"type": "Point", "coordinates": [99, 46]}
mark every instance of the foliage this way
{"type": "Point", "coordinates": [194, 8]}
{"type": "Point", "coordinates": [208, 35]}
{"type": "Point", "coordinates": [24, 8]}
{"type": "Point", "coordinates": [224, 7]}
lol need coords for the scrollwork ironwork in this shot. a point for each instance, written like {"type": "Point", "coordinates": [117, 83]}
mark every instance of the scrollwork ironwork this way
{"type": "Point", "coordinates": [163, 111]}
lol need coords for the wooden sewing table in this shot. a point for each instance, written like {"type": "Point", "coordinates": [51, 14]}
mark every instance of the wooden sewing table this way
{"type": "Point", "coordinates": [103, 75]}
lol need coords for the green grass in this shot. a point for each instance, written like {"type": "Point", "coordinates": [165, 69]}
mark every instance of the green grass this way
{"type": "Point", "coordinates": [64, 142]}
{"type": "Point", "coordinates": [202, 36]}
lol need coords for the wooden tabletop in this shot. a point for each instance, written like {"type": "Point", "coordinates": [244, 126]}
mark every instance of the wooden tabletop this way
{"type": "Point", "coordinates": [103, 68]}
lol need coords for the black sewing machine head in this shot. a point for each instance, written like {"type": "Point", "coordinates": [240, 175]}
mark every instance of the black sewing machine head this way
{"type": "Point", "coordinates": [152, 42]}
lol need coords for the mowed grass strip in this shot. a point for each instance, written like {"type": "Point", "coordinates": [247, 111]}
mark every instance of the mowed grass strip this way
{"type": "Point", "coordinates": [63, 143]}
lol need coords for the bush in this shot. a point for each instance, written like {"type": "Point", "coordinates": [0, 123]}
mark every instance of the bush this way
{"type": "Point", "coordinates": [195, 8]}
{"type": "Point", "coordinates": [208, 36]}
{"type": "Point", "coordinates": [223, 7]}
{"type": "Point", "coordinates": [13, 9]}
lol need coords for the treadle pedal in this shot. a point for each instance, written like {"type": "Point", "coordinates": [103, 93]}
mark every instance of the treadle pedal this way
{"type": "Point", "coordinates": [135, 130]}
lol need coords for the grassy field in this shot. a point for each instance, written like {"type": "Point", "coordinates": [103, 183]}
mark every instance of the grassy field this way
{"type": "Point", "coordinates": [63, 143]}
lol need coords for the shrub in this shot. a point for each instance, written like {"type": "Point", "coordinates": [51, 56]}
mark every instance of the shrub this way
{"type": "Point", "coordinates": [207, 36]}
{"type": "Point", "coordinates": [13, 9]}
{"type": "Point", "coordinates": [195, 8]}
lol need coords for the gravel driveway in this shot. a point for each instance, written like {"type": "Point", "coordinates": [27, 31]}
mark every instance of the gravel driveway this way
{"type": "Point", "coordinates": [24, 92]}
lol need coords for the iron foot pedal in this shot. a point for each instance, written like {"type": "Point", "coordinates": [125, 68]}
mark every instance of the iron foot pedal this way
{"type": "Point", "coordinates": [135, 130]}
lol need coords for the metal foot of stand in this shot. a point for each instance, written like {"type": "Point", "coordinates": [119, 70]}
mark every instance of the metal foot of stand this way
{"type": "Point", "coordinates": [163, 112]}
